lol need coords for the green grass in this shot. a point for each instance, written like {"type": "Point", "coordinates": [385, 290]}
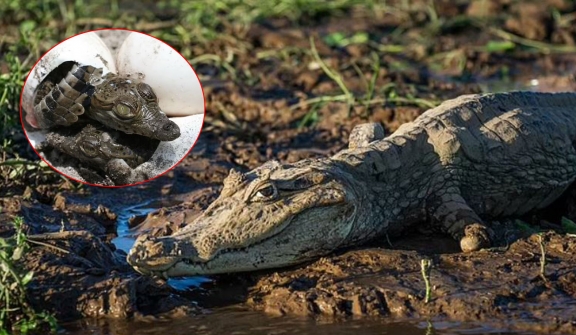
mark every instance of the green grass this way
{"type": "Point", "coordinates": [334, 75]}
{"type": "Point", "coordinates": [16, 313]}
{"type": "Point", "coordinates": [201, 22]}
{"type": "Point", "coordinates": [372, 96]}
{"type": "Point", "coordinates": [568, 225]}
{"type": "Point", "coordinates": [425, 268]}
{"type": "Point", "coordinates": [43, 23]}
{"type": "Point", "coordinates": [542, 257]}
{"type": "Point", "coordinates": [10, 86]}
{"type": "Point", "coordinates": [210, 15]}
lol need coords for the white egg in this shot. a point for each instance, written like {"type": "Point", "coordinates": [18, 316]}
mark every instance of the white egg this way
{"type": "Point", "coordinates": [169, 74]}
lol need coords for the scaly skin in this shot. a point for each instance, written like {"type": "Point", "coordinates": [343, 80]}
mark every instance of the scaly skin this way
{"type": "Point", "coordinates": [115, 153]}
{"type": "Point", "coordinates": [474, 158]}
{"type": "Point", "coordinates": [119, 102]}
{"type": "Point", "coordinates": [95, 147]}
{"type": "Point", "coordinates": [129, 105]}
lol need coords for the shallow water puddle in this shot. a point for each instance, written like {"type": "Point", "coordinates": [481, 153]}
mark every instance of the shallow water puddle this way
{"type": "Point", "coordinates": [125, 240]}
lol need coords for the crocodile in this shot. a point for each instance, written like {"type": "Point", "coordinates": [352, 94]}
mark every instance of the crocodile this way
{"type": "Point", "coordinates": [113, 152]}
{"type": "Point", "coordinates": [458, 166]}
{"type": "Point", "coordinates": [117, 101]}
{"type": "Point", "coordinates": [75, 95]}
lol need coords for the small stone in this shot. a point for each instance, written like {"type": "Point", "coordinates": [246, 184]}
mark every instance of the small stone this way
{"type": "Point", "coordinates": [59, 202]}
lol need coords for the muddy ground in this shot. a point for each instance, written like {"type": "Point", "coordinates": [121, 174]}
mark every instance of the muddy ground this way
{"type": "Point", "coordinates": [258, 109]}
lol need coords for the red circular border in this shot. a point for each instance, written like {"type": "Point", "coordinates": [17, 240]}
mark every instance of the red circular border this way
{"type": "Point", "coordinates": [106, 186]}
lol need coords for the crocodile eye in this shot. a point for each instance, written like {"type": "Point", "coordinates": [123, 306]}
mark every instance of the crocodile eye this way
{"type": "Point", "coordinates": [88, 149]}
{"type": "Point", "coordinates": [267, 192]}
{"type": "Point", "coordinates": [146, 92]}
{"type": "Point", "coordinates": [125, 111]}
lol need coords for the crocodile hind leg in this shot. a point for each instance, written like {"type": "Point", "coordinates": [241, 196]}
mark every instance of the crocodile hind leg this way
{"type": "Point", "coordinates": [122, 174]}
{"type": "Point", "coordinates": [462, 223]}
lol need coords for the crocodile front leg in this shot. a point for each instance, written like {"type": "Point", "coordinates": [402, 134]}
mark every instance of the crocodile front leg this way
{"type": "Point", "coordinates": [461, 222]}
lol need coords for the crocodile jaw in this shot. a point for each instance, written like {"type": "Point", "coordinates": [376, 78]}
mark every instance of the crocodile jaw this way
{"type": "Point", "coordinates": [312, 215]}
{"type": "Point", "coordinates": [153, 124]}
{"type": "Point", "coordinates": [177, 256]}
{"type": "Point", "coordinates": [162, 129]}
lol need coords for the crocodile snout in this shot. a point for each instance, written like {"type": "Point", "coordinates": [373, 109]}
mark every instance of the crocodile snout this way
{"type": "Point", "coordinates": [153, 253]}
{"type": "Point", "coordinates": [157, 255]}
{"type": "Point", "coordinates": [169, 131]}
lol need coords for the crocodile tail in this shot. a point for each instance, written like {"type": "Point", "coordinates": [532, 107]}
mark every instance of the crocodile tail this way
{"type": "Point", "coordinates": [60, 104]}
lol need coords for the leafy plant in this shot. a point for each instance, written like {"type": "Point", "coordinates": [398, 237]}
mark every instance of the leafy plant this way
{"type": "Point", "coordinates": [339, 39]}
{"type": "Point", "coordinates": [568, 225]}
{"type": "Point", "coordinates": [16, 313]}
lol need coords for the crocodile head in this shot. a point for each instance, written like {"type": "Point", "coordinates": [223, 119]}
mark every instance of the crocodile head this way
{"type": "Point", "coordinates": [131, 106]}
{"type": "Point", "coordinates": [273, 216]}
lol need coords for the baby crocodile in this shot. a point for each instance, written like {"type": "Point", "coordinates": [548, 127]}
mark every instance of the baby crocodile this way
{"type": "Point", "coordinates": [119, 102]}
{"type": "Point", "coordinates": [461, 164]}
{"type": "Point", "coordinates": [73, 95]}
{"type": "Point", "coordinates": [111, 151]}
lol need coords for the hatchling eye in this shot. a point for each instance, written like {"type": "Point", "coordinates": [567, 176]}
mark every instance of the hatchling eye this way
{"type": "Point", "coordinates": [267, 192]}
{"type": "Point", "coordinates": [125, 111]}
{"type": "Point", "coordinates": [88, 149]}
{"type": "Point", "coordinates": [146, 91]}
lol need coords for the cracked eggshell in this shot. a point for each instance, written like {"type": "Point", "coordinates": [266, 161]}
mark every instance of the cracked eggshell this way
{"type": "Point", "coordinates": [124, 52]}
{"type": "Point", "coordinates": [85, 49]}
{"type": "Point", "coordinates": [170, 75]}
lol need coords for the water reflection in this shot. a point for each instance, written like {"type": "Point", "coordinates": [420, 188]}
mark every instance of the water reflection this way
{"type": "Point", "coordinates": [239, 322]}
{"type": "Point", "coordinates": [125, 240]}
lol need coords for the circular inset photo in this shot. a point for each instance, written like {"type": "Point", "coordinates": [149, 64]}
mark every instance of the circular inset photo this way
{"type": "Point", "coordinates": [112, 107]}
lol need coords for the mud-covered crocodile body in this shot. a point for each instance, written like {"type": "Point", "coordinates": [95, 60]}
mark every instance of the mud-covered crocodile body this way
{"type": "Point", "coordinates": [99, 146]}
{"type": "Point", "coordinates": [474, 158]}
{"type": "Point", "coordinates": [113, 152]}
{"type": "Point", "coordinates": [119, 102]}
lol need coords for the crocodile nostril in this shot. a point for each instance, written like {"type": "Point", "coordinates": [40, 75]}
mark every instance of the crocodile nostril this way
{"type": "Point", "coordinates": [169, 131]}
{"type": "Point", "coordinates": [168, 126]}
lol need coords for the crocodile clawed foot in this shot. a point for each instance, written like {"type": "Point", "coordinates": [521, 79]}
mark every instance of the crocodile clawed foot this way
{"type": "Point", "coordinates": [459, 220]}
{"type": "Point", "coordinates": [476, 237]}
{"type": "Point", "coordinates": [122, 174]}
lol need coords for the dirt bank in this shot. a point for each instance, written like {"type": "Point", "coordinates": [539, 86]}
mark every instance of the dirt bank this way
{"type": "Point", "coordinates": [78, 272]}
{"type": "Point", "coordinates": [502, 288]}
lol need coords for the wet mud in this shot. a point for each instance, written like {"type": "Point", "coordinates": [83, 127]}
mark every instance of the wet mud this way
{"type": "Point", "coordinates": [504, 287]}
{"type": "Point", "coordinates": [262, 111]}
{"type": "Point", "coordinates": [495, 288]}
{"type": "Point", "coordinates": [78, 272]}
